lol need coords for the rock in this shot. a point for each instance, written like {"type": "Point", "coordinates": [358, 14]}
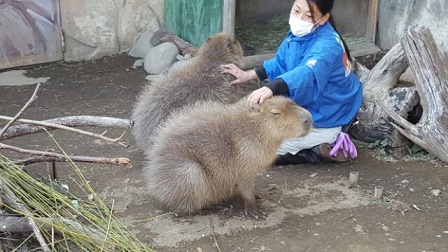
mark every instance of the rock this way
{"type": "Point", "coordinates": [160, 58]}
{"type": "Point", "coordinates": [436, 192]}
{"type": "Point", "coordinates": [135, 17]}
{"type": "Point", "coordinates": [142, 45]}
{"type": "Point", "coordinates": [138, 63]}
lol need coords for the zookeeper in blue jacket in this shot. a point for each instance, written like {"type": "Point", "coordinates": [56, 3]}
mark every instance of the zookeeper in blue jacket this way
{"type": "Point", "coordinates": [312, 66]}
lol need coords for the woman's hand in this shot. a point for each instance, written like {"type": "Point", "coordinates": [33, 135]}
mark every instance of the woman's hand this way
{"type": "Point", "coordinates": [259, 96]}
{"type": "Point", "coordinates": [240, 75]}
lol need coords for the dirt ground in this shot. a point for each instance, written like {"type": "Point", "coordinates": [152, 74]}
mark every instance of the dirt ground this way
{"type": "Point", "coordinates": [310, 207]}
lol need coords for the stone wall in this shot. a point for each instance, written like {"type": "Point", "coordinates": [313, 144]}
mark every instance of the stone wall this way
{"type": "Point", "coordinates": [94, 29]}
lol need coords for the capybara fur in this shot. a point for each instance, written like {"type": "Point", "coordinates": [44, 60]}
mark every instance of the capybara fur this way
{"type": "Point", "coordinates": [201, 79]}
{"type": "Point", "coordinates": [208, 150]}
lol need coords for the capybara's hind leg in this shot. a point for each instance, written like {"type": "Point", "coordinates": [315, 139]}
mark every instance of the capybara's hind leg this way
{"type": "Point", "coordinates": [247, 191]}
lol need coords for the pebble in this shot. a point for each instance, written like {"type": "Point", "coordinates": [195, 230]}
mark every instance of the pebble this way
{"type": "Point", "coordinates": [436, 192]}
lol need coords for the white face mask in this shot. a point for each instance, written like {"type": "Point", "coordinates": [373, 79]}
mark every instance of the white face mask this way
{"type": "Point", "coordinates": [300, 27]}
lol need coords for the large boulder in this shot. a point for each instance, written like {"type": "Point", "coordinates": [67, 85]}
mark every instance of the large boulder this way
{"type": "Point", "coordinates": [142, 45]}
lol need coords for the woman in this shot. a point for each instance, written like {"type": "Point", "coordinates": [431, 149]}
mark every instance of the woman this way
{"type": "Point", "coordinates": [312, 66]}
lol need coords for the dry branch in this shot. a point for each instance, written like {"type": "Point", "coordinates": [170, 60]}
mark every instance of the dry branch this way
{"type": "Point", "coordinates": [33, 97]}
{"type": "Point", "coordinates": [57, 126]}
{"type": "Point", "coordinates": [69, 121]}
{"type": "Point", "coordinates": [44, 156]}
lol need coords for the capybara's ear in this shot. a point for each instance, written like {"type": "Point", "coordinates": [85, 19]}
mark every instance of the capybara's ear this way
{"type": "Point", "coordinates": [255, 107]}
{"type": "Point", "coordinates": [229, 42]}
{"type": "Point", "coordinates": [276, 111]}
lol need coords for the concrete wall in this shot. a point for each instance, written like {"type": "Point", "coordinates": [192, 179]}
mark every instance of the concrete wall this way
{"type": "Point", "coordinates": [351, 16]}
{"type": "Point", "coordinates": [395, 16]}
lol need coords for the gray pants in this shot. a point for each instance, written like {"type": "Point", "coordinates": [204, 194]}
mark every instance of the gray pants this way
{"type": "Point", "coordinates": [316, 137]}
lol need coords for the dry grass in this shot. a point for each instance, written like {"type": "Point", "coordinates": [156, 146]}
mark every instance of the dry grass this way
{"type": "Point", "coordinates": [67, 222]}
{"type": "Point", "coordinates": [266, 35]}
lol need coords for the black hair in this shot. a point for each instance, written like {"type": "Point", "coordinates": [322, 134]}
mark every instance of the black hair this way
{"type": "Point", "coordinates": [325, 6]}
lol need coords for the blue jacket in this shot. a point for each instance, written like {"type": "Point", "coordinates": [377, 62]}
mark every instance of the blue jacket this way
{"type": "Point", "coordinates": [318, 75]}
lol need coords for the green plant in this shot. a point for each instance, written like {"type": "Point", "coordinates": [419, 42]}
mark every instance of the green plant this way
{"type": "Point", "coordinates": [417, 150]}
{"type": "Point", "coordinates": [380, 146]}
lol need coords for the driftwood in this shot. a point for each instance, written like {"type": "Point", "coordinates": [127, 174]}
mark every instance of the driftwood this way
{"type": "Point", "coordinates": [184, 47]}
{"type": "Point", "coordinates": [430, 70]}
{"type": "Point", "coordinates": [69, 121]}
{"type": "Point", "coordinates": [83, 132]}
{"type": "Point", "coordinates": [406, 114]}
{"type": "Point", "coordinates": [382, 81]}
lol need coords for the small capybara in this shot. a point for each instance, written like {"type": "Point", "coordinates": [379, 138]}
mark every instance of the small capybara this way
{"type": "Point", "coordinates": [208, 150]}
{"type": "Point", "coordinates": [201, 79]}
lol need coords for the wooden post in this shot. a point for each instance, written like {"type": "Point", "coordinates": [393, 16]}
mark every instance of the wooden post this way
{"type": "Point", "coordinates": [228, 16]}
{"type": "Point", "coordinates": [373, 17]}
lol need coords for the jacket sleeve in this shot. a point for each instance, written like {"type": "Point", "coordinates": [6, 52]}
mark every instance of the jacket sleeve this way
{"type": "Point", "coordinates": [275, 66]}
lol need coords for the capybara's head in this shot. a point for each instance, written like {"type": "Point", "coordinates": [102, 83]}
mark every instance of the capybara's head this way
{"type": "Point", "coordinates": [222, 48]}
{"type": "Point", "coordinates": [283, 118]}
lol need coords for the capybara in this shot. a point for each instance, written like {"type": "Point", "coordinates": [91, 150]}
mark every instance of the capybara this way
{"type": "Point", "coordinates": [201, 79]}
{"type": "Point", "coordinates": [208, 150]}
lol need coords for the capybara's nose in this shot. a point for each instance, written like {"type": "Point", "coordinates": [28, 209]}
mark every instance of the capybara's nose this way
{"type": "Point", "coordinates": [305, 115]}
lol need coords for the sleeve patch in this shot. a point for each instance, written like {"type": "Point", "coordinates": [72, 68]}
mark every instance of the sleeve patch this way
{"type": "Point", "coordinates": [311, 63]}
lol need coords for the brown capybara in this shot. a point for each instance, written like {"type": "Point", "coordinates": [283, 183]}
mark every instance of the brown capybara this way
{"type": "Point", "coordinates": [201, 79]}
{"type": "Point", "coordinates": [208, 150]}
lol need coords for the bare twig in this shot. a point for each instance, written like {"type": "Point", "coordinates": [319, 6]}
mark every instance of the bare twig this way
{"type": "Point", "coordinates": [13, 200]}
{"type": "Point", "coordinates": [44, 156]}
{"type": "Point", "coordinates": [214, 236]}
{"type": "Point", "coordinates": [349, 217]}
{"type": "Point", "coordinates": [12, 120]}
{"type": "Point", "coordinates": [58, 126]}
{"type": "Point", "coordinates": [70, 121]}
